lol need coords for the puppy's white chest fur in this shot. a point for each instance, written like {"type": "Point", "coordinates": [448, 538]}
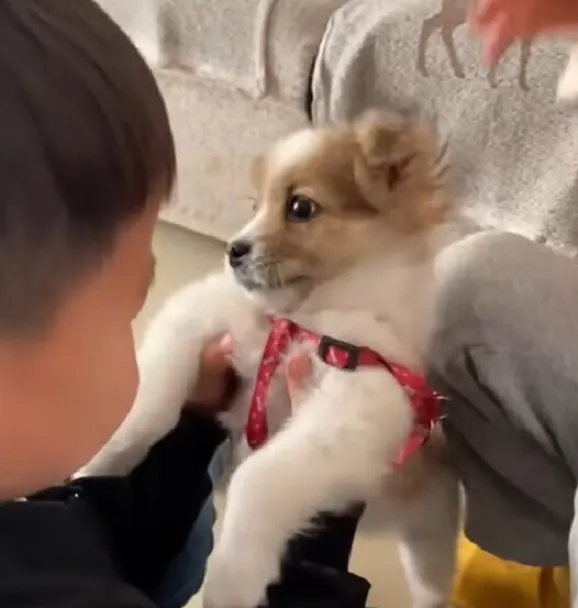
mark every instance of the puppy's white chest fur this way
{"type": "Point", "coordinates": [250, 335]}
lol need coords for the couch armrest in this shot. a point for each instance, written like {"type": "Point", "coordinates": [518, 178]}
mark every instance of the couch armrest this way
{"type": "Point", "coordinates": [295, 31]}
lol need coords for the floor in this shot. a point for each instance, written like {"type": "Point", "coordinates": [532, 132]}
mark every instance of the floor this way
{"type": "Point", "coordinates": [182, 257]}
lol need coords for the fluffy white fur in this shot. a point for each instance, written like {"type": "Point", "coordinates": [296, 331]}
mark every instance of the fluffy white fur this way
{"type": "Point", "coordinates": [337, 449]}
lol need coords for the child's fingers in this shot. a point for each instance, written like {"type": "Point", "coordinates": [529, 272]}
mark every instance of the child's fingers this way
{"type": "Point", "coordinates": [297, 373]}
{"type": "Point", "coordinates": [213, 356]}
{"type": "Point", "coordinates": [217, 353]}
{"type": "Point", "coordinates": [226, 343]}
{"type": "Point", "coordinates": [216, 380]}
{"type": "Point", "coordinates": [227, 346]}
{"type": "Point", "coordinates": [298, 370]}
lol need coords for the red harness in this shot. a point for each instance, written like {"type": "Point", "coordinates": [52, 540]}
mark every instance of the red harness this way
{"type": "Point", "coordinates": [426, 403]}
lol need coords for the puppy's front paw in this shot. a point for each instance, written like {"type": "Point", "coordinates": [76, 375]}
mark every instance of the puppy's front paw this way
{"type": "Point", "coordinates": [113, 460]}
{"type": "Point", "coordinates": [238, 578]}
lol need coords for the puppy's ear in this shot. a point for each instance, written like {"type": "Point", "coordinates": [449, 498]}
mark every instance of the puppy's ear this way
{"type": "Point", "coordinates": [389, 148]}
{"type": "Point", "coordinates": [398, 164]}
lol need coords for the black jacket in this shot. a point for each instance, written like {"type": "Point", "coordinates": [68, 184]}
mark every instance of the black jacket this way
{"type": "Point", "coordinates": [107, 542]}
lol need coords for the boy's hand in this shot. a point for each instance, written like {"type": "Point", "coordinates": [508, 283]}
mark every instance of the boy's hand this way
{"type": "Point", "coordinates": [217, 382]}
{"type": "Point", "coordinates": [216, 379]}
{"type": "Point", "coordinates": [504, 22]}
{"type": "Point", "coordinates": [297, 374]}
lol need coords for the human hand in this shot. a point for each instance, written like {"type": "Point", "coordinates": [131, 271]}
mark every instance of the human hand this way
{"type": "Point", "coordinates": [501, 23]}
{"type": "Point", "coordinates": [216, 381]}
{"type": "Point", "coordinates": [297, 374]}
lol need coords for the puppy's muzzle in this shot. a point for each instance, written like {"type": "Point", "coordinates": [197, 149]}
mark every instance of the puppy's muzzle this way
{"type": "Point", "coordinates": [239, 253]}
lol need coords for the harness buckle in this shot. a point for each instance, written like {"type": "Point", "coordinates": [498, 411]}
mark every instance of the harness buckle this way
{"type": "Point", "coordinates": [328, 343]}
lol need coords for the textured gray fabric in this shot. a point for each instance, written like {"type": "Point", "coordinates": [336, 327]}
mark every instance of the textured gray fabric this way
{"type": "Point", "coordinates": [506, 354]}
{"type": "Point", "coordinates": [513, 149]}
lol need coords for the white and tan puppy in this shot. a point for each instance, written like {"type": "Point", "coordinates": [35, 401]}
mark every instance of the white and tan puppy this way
{"type": "Point", "coordinates": [343, 243]}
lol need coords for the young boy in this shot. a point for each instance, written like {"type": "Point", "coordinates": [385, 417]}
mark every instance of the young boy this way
{"type": "Point", "coordinates": [86, 161]}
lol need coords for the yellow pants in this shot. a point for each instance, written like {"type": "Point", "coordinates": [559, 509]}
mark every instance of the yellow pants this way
{"type": "Point", "coordinates": [484, 581]}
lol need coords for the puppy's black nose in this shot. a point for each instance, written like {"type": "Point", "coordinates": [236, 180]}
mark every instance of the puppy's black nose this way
{"type": "Point", "coordinates": [238, 252]}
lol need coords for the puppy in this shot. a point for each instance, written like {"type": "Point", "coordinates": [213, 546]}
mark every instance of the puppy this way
{"type": "Point", "coordinates": [338, 261]}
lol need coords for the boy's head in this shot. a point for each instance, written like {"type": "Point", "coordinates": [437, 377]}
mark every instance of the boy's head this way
{"type": "Point", "coordinates": [86, 158]}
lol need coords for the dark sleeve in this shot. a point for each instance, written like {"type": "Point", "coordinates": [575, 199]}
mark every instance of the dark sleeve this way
{"type": "Point", "coordinates": [315, 572]}
{"type": "Point", "coordinates": [147, 517]}
{"type": "Point", "coordinates": [106, 542]}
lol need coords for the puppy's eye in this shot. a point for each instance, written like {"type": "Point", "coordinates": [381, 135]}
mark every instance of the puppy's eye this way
{"type": "Point", "coordinates": [301, 209]}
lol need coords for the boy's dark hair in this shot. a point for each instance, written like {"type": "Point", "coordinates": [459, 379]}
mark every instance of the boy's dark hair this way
{"type": "Point", "coordinates": [85, 146]}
